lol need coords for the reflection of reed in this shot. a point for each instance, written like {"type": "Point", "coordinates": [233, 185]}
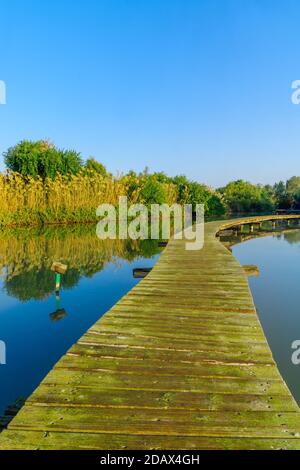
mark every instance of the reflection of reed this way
{"type": "Point", "coordinates": [26, 256]}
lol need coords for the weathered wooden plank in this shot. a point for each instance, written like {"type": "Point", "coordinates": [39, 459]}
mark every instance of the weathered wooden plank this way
{"type": "Point", "coordinates": [160, 339]}
{"type": "Point", "coordinates": [225, 354]}
{"type": "Point", "coordinates": [255, 352]}
{"type": "Point", "coordinates": [144, 421]}
{"type": "Point", "coordinates": [155, 381]}
{"type": "Point", "coordinates": [156, 334]}
{"type": "Point", "coordinates": [194, 322]}
{"type": "Point", "coordinates": [36, 440]}
{"type": "Point", "coordinates": [70, 395]}
{"type": "Point", "coordinates": [191, 369]}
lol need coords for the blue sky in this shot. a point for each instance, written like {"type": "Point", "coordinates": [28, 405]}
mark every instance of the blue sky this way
{"type": "Point", "coordinates": [200, 87]}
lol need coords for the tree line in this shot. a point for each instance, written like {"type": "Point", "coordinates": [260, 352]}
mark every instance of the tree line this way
{"type": "Point", "coordinates": [43, 161]}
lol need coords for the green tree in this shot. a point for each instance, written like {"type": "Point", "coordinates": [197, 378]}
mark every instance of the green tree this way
{"type": "Point", "coordinates": [293, 185]}
{"type": "Point", "coordinates": [290, 198]}
{"type": "Point", "coordinates": [283, 199]}
{"type": "Point", "coordinates": [41, 158]}
{"type": "Point", "coordinates": [161, 177]}
{"type": "Point", "coordinates": [93, 165]}
{"type": "Point", "coordinates": [152, 192]}
{"type": "Point", "coordinates": [215, 205]}
{"type": "Point", "coordinates": [242, 197]}
{"type": "Point", "coordinates": [198, 194]}
{"type": "Point", "coordinates": [182, 185]}
{"type": "Point", "coordinates": [201, 194]}
{"type": "Point", "coordinates": [191, 192]}
{"type": "Point", "coordinates": [296, 200]}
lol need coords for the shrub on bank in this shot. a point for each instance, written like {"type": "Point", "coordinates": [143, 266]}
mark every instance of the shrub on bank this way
{"type": "Point", "coordinates": [42, 159]}
{"type": "Point", "coordinates": [242, 197]}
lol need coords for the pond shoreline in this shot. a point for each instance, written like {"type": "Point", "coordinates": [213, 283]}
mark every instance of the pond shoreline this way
{"type": "Point", "coordinates": [95, 220]}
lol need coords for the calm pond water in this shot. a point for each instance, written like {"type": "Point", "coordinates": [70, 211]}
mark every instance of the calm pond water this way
{"type": "Point", "coordinates": [276, 294]}
{"type": "Point", "coordinates": [36, 330]}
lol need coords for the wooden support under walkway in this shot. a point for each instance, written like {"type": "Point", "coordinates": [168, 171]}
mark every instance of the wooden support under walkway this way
{"type": "Point", "coordinates": [181, 362]}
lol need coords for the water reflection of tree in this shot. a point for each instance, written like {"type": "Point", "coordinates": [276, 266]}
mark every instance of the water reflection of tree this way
{"type": "Point", "coordinates": [292, 237]}
{"type": "Point", "coordinates": [38, 283]}
{"type": "Point", "coordinates": [26, 256]}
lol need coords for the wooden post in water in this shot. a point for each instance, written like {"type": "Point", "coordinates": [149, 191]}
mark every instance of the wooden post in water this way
{"type": "Point", "coordinates": [57, 282]}
{"type": "Point", "coordinates": [59, 270]}
{"type": "Point", "coordinates": [251, 270]}
{"type": "Point", "coordinates": [141, 273]}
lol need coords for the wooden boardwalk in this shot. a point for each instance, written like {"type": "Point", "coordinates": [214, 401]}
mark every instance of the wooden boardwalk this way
{"type": "Point", "coordinates": [181, 362]}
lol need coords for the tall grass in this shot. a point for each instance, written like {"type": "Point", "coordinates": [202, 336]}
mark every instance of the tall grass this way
{"type": "Point", "coordinates": [67, 199]}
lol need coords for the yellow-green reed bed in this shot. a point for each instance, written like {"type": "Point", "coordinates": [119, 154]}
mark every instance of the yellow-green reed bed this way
{"type": "Point", "coordinates": [65, 199]}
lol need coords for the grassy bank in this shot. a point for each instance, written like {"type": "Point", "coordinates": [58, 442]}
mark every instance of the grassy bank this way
{"type": "Point", "coordinates": [48, 185]}
{"type": "Point", "coordinates": [66, 199]}
{"type": "Point", "coordinates": [74, 198]}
